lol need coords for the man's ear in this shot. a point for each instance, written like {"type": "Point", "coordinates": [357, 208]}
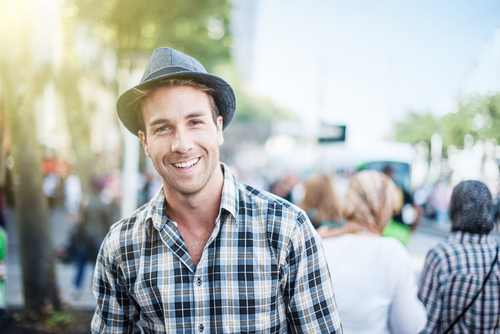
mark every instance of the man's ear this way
{"type": "Point", "coordinates": [142, 137]}
{"type": "Point", "coordinates": [220, 137]}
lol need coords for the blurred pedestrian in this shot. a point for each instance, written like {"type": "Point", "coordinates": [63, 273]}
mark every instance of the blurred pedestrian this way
{"type": "Point", "coordinates": [152, 185]}
{"type": "Point", "coordinates": [374, 282]}
{"type": "Point", "coordinates": [3, 207]}
{"type": "Point", "coordinates": [495, 207]}
{"type": "Point", "coordinates": [406, 217]}
{"type": "Point", "coordinates": [284, 187]}
{"type": "Point", "coordinates": [441, 202]}
{"type": "Point", "coordinates": [464, 267]}
{"type": "Point", "coordinates": [208, 253]}
{"type": "Point", "coordinates": [95, 221]}
{"type": "Point", "coordinates": [72, 196]}
{"type": "Point", "coordinates": [341, 184]}
{"type": "Point", "coordinates": [51, 183]}
{"type": "Point", "coordinates": [321, 203]}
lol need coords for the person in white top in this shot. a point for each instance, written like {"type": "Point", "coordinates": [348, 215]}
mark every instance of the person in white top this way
{"type": "Point", "coordinates": [72, 196]}
{"type": "Point", "coordinates": [372, 276]}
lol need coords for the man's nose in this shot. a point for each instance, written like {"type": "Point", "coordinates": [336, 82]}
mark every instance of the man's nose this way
{"type": "Point", "coordinates": [182, 142]}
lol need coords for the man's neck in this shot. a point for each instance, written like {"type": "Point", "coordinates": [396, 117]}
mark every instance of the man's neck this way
{"type": "Point", "coordinates": [195, 214]}
{"type": "Point", "coordinates": [196, 210]}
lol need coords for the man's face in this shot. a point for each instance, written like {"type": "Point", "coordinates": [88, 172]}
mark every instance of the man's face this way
{"type": "Point", "coordinates": [182, 139]}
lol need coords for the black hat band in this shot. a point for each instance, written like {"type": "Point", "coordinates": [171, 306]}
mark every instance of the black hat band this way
{"type": "Point", "coordinates": [166, 70]}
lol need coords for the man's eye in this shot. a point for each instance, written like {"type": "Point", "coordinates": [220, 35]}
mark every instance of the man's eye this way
{"type": "Point", "coordinates": [196, 122]}
{"type": "Point", "coordinates": [162, 128]}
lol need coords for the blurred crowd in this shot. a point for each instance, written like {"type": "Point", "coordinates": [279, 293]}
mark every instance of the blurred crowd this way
{"type": "Point", "coordinates": [365, 221]}
{"type": "Point", "coordinates": [322, 197]}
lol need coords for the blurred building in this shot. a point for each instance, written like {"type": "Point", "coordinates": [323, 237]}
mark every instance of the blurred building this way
{"type": "Point", "coordinates": [243, 22]}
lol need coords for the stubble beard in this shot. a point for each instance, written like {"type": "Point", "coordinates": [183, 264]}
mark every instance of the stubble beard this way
{"type": "Point", "coordinates": [199, 183]}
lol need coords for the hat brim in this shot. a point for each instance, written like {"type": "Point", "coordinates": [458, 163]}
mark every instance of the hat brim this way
{"type": "Point", "coordinates": [224, 97]}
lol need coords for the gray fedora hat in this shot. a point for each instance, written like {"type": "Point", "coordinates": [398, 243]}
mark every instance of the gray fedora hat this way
{"type": "Point", "coordinates": [170, 63]}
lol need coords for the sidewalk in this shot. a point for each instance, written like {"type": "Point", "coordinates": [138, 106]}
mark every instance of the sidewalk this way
{"type": "Point", "coordinates": [65, 272]}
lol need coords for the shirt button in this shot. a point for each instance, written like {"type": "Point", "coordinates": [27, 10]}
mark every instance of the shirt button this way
{"type": "Point", "coordinates": [198, 282]}
{"type": "Point", "coordinates": [201, 328]}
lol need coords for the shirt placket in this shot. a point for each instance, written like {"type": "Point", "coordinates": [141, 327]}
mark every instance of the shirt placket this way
{"type": "Point", "coordinates": [201, 286]}
{"type": "Point", "coordinates": [171, 237]}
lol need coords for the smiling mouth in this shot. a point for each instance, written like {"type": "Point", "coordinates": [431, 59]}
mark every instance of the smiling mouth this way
{"type": "Point", "coordinates": [187, 164]}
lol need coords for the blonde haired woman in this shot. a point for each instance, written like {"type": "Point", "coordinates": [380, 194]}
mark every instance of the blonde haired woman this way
{"type": "Point", "coordinates": [320, 201]}
{"type": "Point", "coordinates": [374, 283]}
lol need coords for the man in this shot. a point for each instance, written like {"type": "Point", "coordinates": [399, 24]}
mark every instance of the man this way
{"type": "Point", "coordinates": [208, 253]}
{"type": "Point", "coordinates": [458, 269]}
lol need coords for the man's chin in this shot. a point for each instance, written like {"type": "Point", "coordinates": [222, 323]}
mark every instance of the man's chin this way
{"type": "Point", "coordinates": [190, 185]}
{"type": "Point", "coordinates": [186, 189]}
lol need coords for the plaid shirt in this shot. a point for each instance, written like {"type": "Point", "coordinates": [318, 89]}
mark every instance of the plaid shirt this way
{"type": "Point", "coordinates": [262, 271]}
{"type": "Point", "coordinates": [453, 273]}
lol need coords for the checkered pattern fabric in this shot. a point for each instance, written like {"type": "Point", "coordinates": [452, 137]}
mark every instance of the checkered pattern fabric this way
{"type": "Point", "coordinates": [453, 273]}
{"type": "Point", "coordinates": [262, 271]}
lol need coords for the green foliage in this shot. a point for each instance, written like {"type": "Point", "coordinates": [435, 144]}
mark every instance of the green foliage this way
{"type": "Point", "coordinates": [197, 28]}
{"type": "Point", "coordinates": [454, 129]}
{"type": "Point", "coordinates": [416, 128]}
{"type": "Point", "coordinates": [478, 116]}
{"type": "Point", "coordinates": [60, 320]}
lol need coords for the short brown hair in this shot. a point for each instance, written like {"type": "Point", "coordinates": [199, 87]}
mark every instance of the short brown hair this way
{"type": "Point", "coordinates": [142, 94]}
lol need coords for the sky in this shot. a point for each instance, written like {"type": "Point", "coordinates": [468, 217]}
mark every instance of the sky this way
{"type": "Point", "coordinates": [366, 63]}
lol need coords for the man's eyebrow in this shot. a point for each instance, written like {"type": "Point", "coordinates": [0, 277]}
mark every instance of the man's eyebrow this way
{"type": "Point", "coordinates": [188, 116]}
{"type": "Point", "coordinates": [195, 114]}
{"type": "Point", "coordinates": [158, 121]}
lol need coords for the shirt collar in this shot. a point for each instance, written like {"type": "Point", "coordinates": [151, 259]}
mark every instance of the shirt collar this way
{"type": "Point", "coordinates": [157, 215]}
{"type": "Point", "coordinates": [155, 210]}
{"type": "Point", "coordinates": [229, 200]}
{"type": "Point", "coordinates": [472, 238]}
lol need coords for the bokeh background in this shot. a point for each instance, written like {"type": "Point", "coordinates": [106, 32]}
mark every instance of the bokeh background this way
{"type": "Point", "coordinates": [322, 86]}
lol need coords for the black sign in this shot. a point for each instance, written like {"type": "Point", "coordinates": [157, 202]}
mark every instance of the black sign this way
{"type": "Point", "coordinates": [331, 133]}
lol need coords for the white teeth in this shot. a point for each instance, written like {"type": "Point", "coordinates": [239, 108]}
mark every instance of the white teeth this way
{"type": "Point", "coordinates": [186, 164]}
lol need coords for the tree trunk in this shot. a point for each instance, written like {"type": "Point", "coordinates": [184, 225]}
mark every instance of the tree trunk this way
{"type": "Point", "coordinates": [37, 256]}
{"type": "Point", "coordinates": [20, 82]}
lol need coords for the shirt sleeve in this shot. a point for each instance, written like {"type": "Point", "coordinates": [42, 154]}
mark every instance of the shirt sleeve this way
{"type": "Point", "coordinates": [308, 290]}
{"type": "Point", "coordinates": [429, 292]}
{"type": "Point", "coordinates": [407, 314]}
{"type": "Point", "coordinates": [116, 312]}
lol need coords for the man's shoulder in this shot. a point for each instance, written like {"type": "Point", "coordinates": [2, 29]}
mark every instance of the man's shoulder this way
{"type": "Point", "coordinates": [278, 214]}
{"type": "Point", "coordinates": [241, 198]}
{"type": "Point", "coordinates": [284, 225]}
{"type": "Point", "coordinates": [130, 225]}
